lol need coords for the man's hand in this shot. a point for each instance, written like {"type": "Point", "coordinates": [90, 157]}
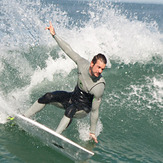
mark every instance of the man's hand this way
{"type": "Point", "coordinates": [51, 29]}
{"type": "Point", "coordinates": [93, 137]}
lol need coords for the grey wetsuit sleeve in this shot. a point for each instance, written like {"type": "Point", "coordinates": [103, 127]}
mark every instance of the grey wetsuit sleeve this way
{"type": "Point", "coordinates": [67, 49]}
{"type": "Point", "coordinates": [99, 89]}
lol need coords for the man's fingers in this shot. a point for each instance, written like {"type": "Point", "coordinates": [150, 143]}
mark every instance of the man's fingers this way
{"type": "Point", "coordinates": [51, 29]}
{"type": "Point", "coordinates": [50, 23]}
{"type": "Point", "coordinates": [47, 28]}
{"type": "Point", "coordinates": [94, 137]}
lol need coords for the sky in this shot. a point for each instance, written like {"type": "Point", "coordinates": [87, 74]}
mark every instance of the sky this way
{"type": "Point", "coordinates": [141, 1]}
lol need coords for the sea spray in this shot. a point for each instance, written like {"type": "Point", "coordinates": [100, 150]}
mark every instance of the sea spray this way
{"type": "Point", "coordinates": [32, 64]}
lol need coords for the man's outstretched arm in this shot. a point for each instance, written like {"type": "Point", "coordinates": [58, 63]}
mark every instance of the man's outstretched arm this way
{"type": "Point", "coordinates": [63, 45]}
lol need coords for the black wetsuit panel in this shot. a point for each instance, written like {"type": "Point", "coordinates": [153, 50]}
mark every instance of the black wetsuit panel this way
{"type": "Point", "coordinates": [71, 101]}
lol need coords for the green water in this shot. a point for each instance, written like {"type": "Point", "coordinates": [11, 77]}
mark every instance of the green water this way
{"type": "Point", "coordinates": [130, 126]}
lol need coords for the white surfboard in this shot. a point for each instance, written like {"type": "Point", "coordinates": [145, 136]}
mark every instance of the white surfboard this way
{"type": "Point", "coordinates": [53, 139]}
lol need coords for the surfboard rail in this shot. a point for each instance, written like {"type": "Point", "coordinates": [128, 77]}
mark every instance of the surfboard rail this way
{"type": "Point", "coordinates": [59, 142]}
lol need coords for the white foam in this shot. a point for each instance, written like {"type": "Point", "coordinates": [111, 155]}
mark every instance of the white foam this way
{"type": "Point", "coordinates": [5, 109]}
{"type": "Point", "coordinates": [154, 95]}
{"type": "Point", "coordinates": [84, 129]}
{"type": "Point", "coordinates": [107, 31]}
{"type": "Point", "coordinates": [158, 91]}
{"type": "Point", "coordinates": [119, 38]}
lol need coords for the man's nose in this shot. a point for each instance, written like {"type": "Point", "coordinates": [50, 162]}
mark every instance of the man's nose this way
{"type": "Point", "coordinates": [100, 70]}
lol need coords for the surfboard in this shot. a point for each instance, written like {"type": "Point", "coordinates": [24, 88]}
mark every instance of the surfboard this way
{"type": "Point", "coordinates": [56, 141]}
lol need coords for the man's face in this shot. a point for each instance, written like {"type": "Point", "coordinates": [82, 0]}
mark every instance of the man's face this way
{"type": "Point", "coordinates": [97, 68]}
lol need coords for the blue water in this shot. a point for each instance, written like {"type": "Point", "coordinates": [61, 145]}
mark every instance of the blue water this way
{"type": "Point", "coordinates": [130, 127]}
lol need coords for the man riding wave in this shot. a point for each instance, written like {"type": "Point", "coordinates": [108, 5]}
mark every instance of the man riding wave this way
{"type": "Point", "coordinates": [87, 95]}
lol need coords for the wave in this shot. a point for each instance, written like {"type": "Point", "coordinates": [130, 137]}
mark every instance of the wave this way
{"type": "Point", "coordinates": [30, 59]}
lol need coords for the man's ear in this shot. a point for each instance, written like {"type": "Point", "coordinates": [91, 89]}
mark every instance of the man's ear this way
{"type": "Point", "coordinates": [92, 64]}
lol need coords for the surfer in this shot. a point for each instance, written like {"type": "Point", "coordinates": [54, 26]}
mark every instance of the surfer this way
{"type": "Point", "coordinates": [87, 94]}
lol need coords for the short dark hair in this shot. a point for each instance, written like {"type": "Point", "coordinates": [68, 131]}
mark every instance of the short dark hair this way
{"type": "Point", "coordinates": [100, 57]}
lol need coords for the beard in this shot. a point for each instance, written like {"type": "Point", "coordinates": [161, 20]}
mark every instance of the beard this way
{"type": "Point", "coordinates": [94, 74]}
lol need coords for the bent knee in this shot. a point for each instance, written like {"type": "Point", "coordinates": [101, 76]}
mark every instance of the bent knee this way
{"type": "Point", "coordinates": [80, 114]}
{"type": "Point", "coordinates": [70, 111]}
{"type": "Point", "coordinates": [47, 98]}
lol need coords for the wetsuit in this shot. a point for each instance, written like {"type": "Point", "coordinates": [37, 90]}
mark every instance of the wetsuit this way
{"type": "Point", "coordinates": [85, 98]}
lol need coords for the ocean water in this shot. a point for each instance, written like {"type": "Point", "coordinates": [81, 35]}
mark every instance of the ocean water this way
{"type": "Point", "coordinates": [130, 126]}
